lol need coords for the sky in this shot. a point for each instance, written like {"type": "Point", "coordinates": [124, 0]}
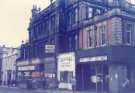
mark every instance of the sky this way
{"type": "Point", "coordinates": [14, 20]}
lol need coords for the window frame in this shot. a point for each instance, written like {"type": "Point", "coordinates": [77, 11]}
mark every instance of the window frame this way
{"type": "Point", "coordinates": [128, 31]}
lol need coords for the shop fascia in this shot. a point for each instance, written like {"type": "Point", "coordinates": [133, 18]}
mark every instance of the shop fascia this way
{"type": "Point", "coordinates": [66, 65]}
{"type": "Point", "coordinates": [26, 68]}
{"type": "Point", "coordinates": [92, 59]}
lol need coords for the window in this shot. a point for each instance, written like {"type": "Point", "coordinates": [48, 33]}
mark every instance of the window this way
{"type": "Point", "coordinates": [70, 43]}
{"type": "Point", "coordinates": [128, 33]}
{"type": "Point", "coordinates": [110, 1]}
{"type": "Point", "coordinates": [76, 14]}
{"type": "Point", "coordinates": [95, 35]}
{"type": "Point", "coordinates": [97, 12]}
{"type": "Point", "coordinates": [52, 24]}
{"type": "Point", "coordinates": [89, 12]}
{"type": "Point", "coordinates": [47, 27]}
{"type": "Point", "coordinates": [89, 38]}
{"type": "Point", "coordinates": [66, 76]}
{"type": "Point", "coordinates": [103, 37]}
{"type": "Point", "coordinates": [73, 15]}
{"type": "Point", "coordinates": [76, 41]}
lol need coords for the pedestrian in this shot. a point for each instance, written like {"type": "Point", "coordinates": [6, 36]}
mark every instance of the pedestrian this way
{"type": "Point", "coordinates": [44, 83]}
{"type": "Point", "coordinates": [8, 83]}
{"type": "Point", "coordinates": [73, 82]}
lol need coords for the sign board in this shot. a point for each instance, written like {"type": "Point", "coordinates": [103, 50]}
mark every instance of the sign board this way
{"type": "Point", "coordinates": [66, 62]}
{"type": "Point", "coordinates": [96, 58]}
{"type": "Point", "coordinates": [49, 48]}
{"type": "Point", "coordinates": [26, 68]}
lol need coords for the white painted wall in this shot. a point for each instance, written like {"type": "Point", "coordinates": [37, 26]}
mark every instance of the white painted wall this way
{"type": "Point", "coordinates": [9, 63]}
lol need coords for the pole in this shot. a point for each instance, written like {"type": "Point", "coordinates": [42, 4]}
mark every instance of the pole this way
{"type": "Point", "coordinates": [102, 78]}
{"type": "Point", "coordinates": [96, 78]}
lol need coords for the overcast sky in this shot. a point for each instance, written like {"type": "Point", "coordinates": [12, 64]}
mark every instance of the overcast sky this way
{"type": "Point", "coordinates": [14, 19]}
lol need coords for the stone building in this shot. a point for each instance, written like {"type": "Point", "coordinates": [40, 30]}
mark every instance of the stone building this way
{"type": "Point", "coordinates": [97, 36]}
{"type": "Point", "coordinates": [9, 56]}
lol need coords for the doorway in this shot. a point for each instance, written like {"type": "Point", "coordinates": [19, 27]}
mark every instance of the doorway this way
{"type": "Point", "coordinates": [92, 77]}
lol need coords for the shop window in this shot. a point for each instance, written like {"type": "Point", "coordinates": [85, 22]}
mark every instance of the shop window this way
{"type": "Point", "coordinates": [66, 76]}
{"type": "Point", "coordinates": [128, 34]}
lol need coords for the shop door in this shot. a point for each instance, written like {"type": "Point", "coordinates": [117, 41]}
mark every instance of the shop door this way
{"type": "Point", "coordinates": [92, 77]}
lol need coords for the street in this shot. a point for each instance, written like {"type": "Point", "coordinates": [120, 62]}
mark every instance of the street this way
{"type": "Point", "coordinates": [6, 89]}
{"type": "Point", "coordinates": [18, 90]}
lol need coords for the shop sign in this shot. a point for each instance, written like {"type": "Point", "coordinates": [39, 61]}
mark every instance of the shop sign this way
{"type": "Point", "coordinates": [66, 62]}
{"type": "Point", "coordinates": [26, 68]}
{"type": "Point", "coordinates": [49, 75]}
{"type": "Point", "coordinates": [36, 61]}
{"type": "Point", "coordinates": [49, 48]}
{"type": "Point", "coordinates": [36, 74]}
{"type": "Point", "coordinates": [21, 63]}
{"type": "Point", "coordinates": [97, 58]}
{"type": "Point", "coordinates": [27, 73]}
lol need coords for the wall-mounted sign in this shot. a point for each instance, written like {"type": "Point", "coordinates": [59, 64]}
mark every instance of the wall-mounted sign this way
{"type": "Point", "coordinates": [49, 48]}
{"type": "Point", "coordinates": [26, 68]}
{"type": "Point", "coordinates": [66, 62]}
{"type": "Point", "coordinates": [50, 75]}
{"type": "Point", "coordinates": [21, 63]}
{"type": "Point", "coordinates": [96, 58]}
{"type": "Point", "coordinates": [27, 73]}
{"type": "Point", "coordinates": [36, 74]}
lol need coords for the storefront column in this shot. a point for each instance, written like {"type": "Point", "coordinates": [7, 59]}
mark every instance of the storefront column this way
{"type": "Point", "coordinates": [118, 79]}
{"type": "Point", "coordinates": [132, 79]}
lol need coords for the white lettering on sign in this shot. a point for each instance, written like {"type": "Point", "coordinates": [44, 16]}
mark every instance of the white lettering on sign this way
{"type": "Point", "coordinates": [97, 58]}
{"type": "Point", "coordinates": [26, 68]}
{"type": "Point", "coordinates": [49, 48]}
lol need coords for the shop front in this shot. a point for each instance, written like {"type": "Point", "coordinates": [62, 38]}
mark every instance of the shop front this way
{"type": "Point", "coordinates": [30, 74]}
{"type": "Point", "coordinates": [105, 69]}
{"type": "Point", "coordinates": [66, 70]}
{"type": "Point", "coordinates": [24, 74]}
{"type": "Point", "coordinates": [50, 72]}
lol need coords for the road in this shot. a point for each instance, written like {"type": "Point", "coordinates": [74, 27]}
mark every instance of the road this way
{"type": "Point", "coordinates": [18, 90]}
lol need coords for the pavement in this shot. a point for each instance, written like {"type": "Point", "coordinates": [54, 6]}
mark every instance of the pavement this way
{"type": "Point", "coordinates": [7, 89]}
